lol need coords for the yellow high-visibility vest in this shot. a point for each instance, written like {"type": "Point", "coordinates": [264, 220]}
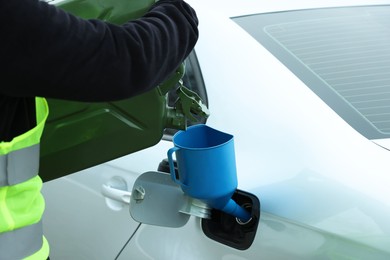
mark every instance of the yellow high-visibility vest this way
{"type": "Point", "coordinates": [21, 201]}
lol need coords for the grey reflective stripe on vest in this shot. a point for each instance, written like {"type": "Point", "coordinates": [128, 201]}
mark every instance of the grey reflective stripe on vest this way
{"type": "Point", "coordinates": [19, 166]}
{"type": "Point", "coordinates": [29, 240]}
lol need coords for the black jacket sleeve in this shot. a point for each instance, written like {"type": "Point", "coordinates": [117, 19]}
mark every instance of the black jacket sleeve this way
{"type": "Point", "coordinates": [47, 52]}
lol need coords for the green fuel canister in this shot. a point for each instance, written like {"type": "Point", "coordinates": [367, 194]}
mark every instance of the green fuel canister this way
{"type": "Point", "coordinates": [80, 135]}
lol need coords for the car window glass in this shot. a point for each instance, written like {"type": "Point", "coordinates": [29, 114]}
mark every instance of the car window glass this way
{"type": "Point", "coordinates": [342, 54]}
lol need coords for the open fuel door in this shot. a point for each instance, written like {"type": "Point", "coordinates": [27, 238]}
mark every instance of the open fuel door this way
{"type": "Point", "coordinates": [80, 135]}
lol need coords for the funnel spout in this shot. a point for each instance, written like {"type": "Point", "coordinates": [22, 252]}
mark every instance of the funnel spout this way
{"type": "Point", "coordinates": [232, 208]}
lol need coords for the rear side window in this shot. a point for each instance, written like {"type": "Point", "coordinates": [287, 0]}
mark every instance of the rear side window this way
{"type": "Point", "coordinates": [342, 54]}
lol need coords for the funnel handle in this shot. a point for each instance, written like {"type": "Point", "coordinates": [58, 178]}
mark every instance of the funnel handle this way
{"type": "Point", "coordinates": [171, 165]}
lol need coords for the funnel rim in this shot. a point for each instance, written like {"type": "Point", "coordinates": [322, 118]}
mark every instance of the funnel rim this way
{"type": "Point", "coordinates": [229, 138]}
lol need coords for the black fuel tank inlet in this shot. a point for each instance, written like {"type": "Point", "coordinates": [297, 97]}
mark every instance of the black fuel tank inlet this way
{"type": "Point", "coordinates": [229, 230]}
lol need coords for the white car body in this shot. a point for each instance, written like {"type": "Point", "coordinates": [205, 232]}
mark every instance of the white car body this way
{"type": "Point", "coordinates": [323, 187]}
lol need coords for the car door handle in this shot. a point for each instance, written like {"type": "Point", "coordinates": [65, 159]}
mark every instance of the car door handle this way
{"type": "Point", "coordinates": [116, 194]}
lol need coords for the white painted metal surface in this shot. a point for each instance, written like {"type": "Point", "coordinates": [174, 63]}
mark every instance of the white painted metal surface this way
{"type": "Point", "coordinates": [323, 187]}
